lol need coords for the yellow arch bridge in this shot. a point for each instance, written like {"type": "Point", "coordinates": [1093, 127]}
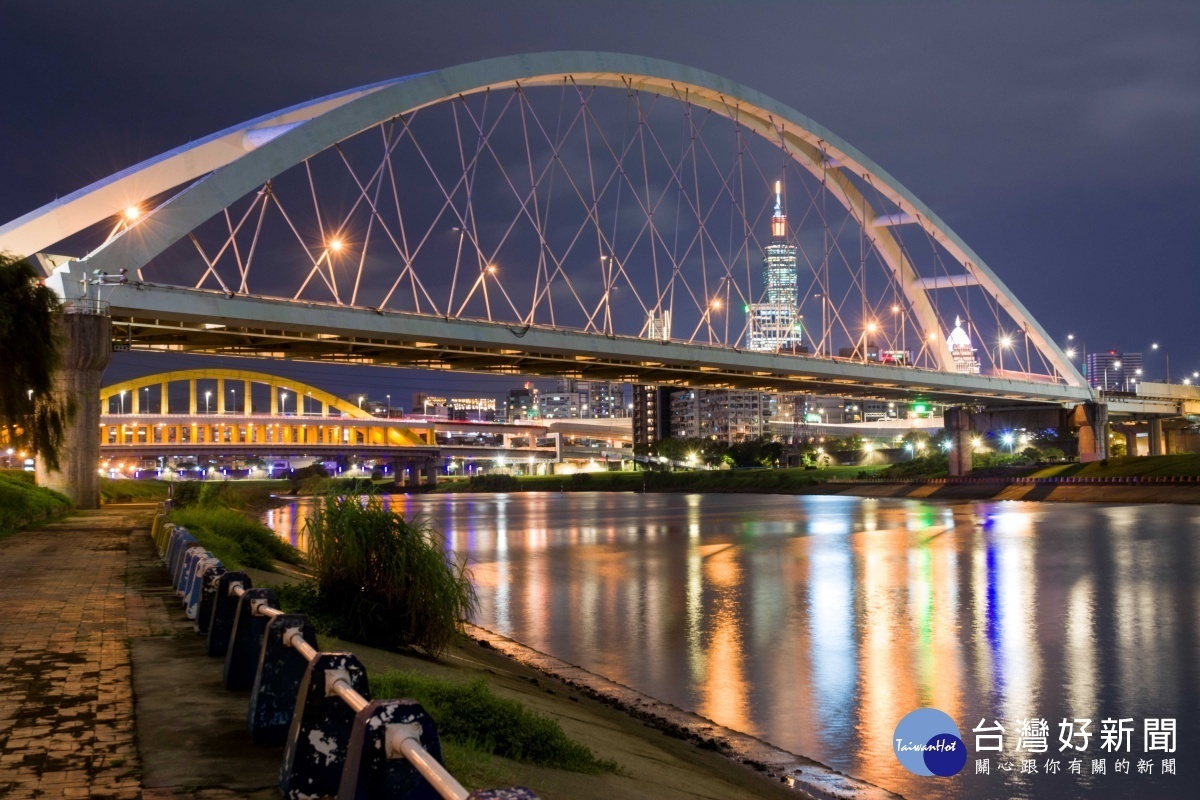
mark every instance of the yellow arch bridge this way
{"type": "Point", "coordinates": [237, 413]}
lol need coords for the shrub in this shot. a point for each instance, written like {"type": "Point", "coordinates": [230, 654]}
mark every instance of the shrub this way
{"type": "Point", "coordinates": [386, 580]}
{"type": "Point", "coordinates": [494, 483]}
{"type": "Point", "coordinates": [471, 713]}
{"type": "Point", "coordinates": [185, 493]}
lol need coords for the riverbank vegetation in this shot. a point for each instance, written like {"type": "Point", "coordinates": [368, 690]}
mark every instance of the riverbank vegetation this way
{"type": "Point", "coordinates": [379, 578]}
{"type": "Point", "coordinates": [22, 502]}
{"type": "Point", "coordinates": [133, 491]}
{"type": "Point", "coordinates": [222, 517]}
{"type": "Point", "coordinates": [1178, 465]}
{"type": "Point", "coordinates": [472, 720]}
{"type": "Point", "coordinates": [777, 481]}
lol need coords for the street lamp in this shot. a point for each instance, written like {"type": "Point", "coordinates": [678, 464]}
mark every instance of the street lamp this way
{"type": "Point", "coordinates": [122, 400]}
{"type": "Point", "coordinates": [870, 329]}
{"type": "Point", "coordinates": [1116, 366]}
{"type": "Point", "coordinates": [146, 407]}
{"type": "Point", "coordinates": [1168, 357]}
{"type": "Point", "coordinates": [207, 395]}
{"type": "Point", "coordinates": [389, 407]}
{"type": "Point", "coordinates": [1005, 343]}
{"type": "Point", "coordinates": [233, 404]}
{"type": "Point", "coordinates": [1070, 352]}
{"type": "Point", "coordinates": [283, 396]}
{"type": "Point", "coordinates": [1008, 440]}
{"type": "Point", "coordinates": [360, 399]}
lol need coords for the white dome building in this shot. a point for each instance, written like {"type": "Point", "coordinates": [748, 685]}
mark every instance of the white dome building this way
{"type": "Point", "coordinates": [961, 350]}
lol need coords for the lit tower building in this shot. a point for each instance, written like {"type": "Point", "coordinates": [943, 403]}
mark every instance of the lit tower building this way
{"type": "Point", "coordinates": [775, 324]}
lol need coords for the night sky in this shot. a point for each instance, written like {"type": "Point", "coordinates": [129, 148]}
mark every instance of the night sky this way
{"type": "Point", "coordinates": [1060, 140]}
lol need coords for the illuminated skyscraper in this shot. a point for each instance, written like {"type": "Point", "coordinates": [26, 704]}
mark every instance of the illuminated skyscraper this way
{"type": "Point", "coordinates": [775, 325]}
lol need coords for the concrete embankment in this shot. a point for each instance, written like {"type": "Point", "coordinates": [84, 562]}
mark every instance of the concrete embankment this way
{"type": "Point", "coordinates": [1007, 490]}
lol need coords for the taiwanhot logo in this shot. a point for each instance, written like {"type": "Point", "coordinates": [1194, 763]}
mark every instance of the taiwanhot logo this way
{"type": "Point", "coordinates": [927, 742]}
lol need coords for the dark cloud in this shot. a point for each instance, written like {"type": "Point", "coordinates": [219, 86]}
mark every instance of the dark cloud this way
{"type": "Point", "coordinates": [1058, 139]}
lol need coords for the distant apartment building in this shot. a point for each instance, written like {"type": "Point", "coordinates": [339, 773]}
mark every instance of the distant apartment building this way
{"type": "Point", "coordinates": [522, 404]}
{"type": "Point", "coordinates": [723, 415]}
{"type": "Point", "coordinates": [651, 414]}
{"type": "Point", "coordinates": [1114, 371]}
{"type": "Point", "coordinates": [598, 399]}
{"type": "Point", "coordinates": [481, 409]}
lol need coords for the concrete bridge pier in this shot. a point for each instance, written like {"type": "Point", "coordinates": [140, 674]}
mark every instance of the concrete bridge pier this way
{"type": "Point", "coordinates": [1130, 440]}
{"type": "Point", "coordinates": [87, 349]}
{"type": "Point", "coordinates": [400, 473]}
{"type": "Point", "coordinates": [1091, 420]}
{"type": "Point", "coordinates": [429, 467]}
{"type": "Point", "coordinates": [959, 426]}
{"type": "Point", "coordinates": [1157, 439]}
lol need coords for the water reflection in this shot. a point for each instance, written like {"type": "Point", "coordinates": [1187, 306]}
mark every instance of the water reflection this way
{"type": "Point", "coordinates": [818, 622]}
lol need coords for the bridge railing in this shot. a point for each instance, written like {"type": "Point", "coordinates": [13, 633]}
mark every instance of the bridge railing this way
{"type": "Point", "coordinates": [337, 741]}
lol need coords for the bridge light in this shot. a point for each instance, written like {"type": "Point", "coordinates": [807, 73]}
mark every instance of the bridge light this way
{"type": "Point", "coordinates": [872, 327]}
{"type": "Point", "coordinates": [895, 309]}
{"type": "Point", "coordinates": [715, 304]}
{"type": "Point", "coordinates": [1070, 352]}
{"type": "Point", "coordinates": [132, 213]}
{"type": "Point", "coordinates": [976, 442]}
{"type": "Point", "coordinates": [335, 245]}
{"type": "Point", "coordinates": [491, 268]}
{"type": "Point", "coordinates": [1006, 341]}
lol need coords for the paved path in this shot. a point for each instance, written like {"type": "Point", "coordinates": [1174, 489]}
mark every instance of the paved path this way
{"type": "Point", "coordinates": [67, 613]}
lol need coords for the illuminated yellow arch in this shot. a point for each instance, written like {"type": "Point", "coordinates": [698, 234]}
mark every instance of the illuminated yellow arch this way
{"type": "Point", "coordinates": [332, 403]}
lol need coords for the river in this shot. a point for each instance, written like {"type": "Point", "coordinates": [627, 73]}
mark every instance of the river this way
{"type": "Point", "coordinates": [817, 622]}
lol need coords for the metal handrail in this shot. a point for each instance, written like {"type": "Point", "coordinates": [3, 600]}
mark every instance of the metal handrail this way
{"type": "Point", "coordinates": [403, 741]}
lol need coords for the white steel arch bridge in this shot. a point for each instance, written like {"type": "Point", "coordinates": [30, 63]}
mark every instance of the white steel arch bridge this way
{"type": "Point", "coordinates": [577, 214]}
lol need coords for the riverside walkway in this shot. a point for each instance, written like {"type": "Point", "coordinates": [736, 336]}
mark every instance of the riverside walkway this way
{"type": "Point", "coordinates": [68, 610]}
{"type": "Point", "coordinates": [105, 691]}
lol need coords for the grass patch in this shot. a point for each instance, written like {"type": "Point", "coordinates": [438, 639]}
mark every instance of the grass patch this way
{"type": "Point", "coordinates": [470, 716]}
{"type": "Point", "coordinates": [1179, 465]}
{"type": "Point", "coordinates": [384, 580]}
{"type": "Point", "coordinates": [133, 491]}
{"type": "Point", "coordinates": [22, 503]}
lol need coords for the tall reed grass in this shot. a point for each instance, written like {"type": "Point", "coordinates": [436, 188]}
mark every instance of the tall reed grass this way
{"type": "Point", "coordinates": [384, 580]}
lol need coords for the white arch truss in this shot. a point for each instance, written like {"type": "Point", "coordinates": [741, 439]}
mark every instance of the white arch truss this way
{"type": "Point", "coordinates": [233, 163]}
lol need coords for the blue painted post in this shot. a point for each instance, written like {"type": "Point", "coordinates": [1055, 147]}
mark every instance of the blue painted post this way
{"type": "Point", "coordinates": [370, 772]}
{"type": "Point", "coordinates": [187, 561]}
{"type": "Point", "coordinates": [191, 593]}
{"type": "Point", "coordinates": [208, 595]}
{"type": "Point", "coordinates": [180, 540]}
{"type": "Point", "coordinates": [320, 731]}
{"type": "Point", "coordinates": [245, 642]}
{"type": "Point", "coordinates": [277, 682]}
{"type": "Point", "coordinates": [225, 604]}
